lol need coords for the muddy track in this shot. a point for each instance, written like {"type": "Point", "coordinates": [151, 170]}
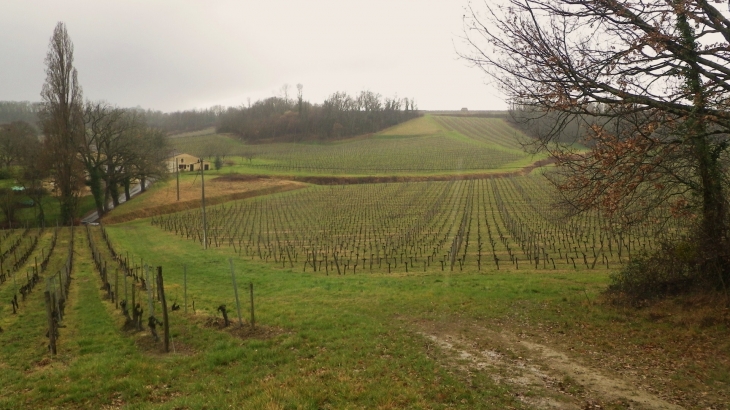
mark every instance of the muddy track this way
{"type": "Point", "coordinates": [539, 376]}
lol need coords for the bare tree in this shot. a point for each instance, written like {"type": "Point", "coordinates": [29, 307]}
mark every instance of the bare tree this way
{"type": "Point", "coordinates": [121, 150]}
{"type": "Point", "coordinates": [285, 93]}
{"type": "Point", "coordinates": [62, 122]}
{"type": "Point", "coordinates": [649, 81]}
{"type": "Point", "coordinates": [14, 139]}
{"type": "Point", "coordinates": [151, 147]}
{"type": "Point", "coordinates": [300, 98]}
{"type": "Point", "coordinates": [35, 163]}
{"type": "Point", "coordinates": [106, 147]}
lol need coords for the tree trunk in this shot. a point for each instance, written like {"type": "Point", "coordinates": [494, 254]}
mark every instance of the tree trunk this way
{"type": "Point", "coordinates": [114, 192]}
{"type": "Point", "coordinates": [127, 183]}
{"type": "Point", "coordinates": [67, 198]}
{"type": "Point", "coordinates": [713, 226]}
{"type": "Point", "coordinates": [106, 197]}
{"type": "Point", "coordinates": [96, 190]}
{"type": "Point", "coordinates": [142, 183]}
{"type": "Point", "coordinates": [41, 214]}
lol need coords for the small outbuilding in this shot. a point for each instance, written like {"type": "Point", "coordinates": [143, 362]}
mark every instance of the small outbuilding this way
{"type": "Point", "coordinates": [185, 162]}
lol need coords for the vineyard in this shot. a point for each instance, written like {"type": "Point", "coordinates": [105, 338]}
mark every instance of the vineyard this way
{"type": "Point", "coordinates": [492, 249]}
{"type": "Point", "coordinates": [371, 295]}
{"type": "Point", "coordinates": [487, 130]}
{"type": "Point", "coordinates": [568, 251]}
{"type": "Point", "coordinates": [482, 225]}
{"type": "Point", "coordinates": [37, 270]}
{"type": "Point", "coordinates": [422, 145]}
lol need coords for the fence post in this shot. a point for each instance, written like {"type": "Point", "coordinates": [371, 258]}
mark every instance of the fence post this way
{"type": "Point", "coordinates": [116, 288]}
{"type": "Point", "coordinates": [149, 291]}
{"type": "Point", "coordinates": [63, 287]}
{"type": "Point", "coordinates": [253, 321]}
{"type": "Point", "coordinates": [235, 291]}
{"type": "Point", "coordinates": [185, 287]}
{"type": "Point", "coordinates": [126, 296]}
{"type": "Point", "coordinates": [165, 323]}
{"type": "Point", "coordinates": [51, 325]}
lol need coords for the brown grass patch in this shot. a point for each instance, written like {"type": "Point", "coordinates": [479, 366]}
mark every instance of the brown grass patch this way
{"type": "Point", "coordinates": [217, 190]}
{"type": "Point", "coordinates": [146, 343]}
{"type": "Point", "coordinates": [676, 349]}
{"type": "Point", "coordinates": [260, 332]}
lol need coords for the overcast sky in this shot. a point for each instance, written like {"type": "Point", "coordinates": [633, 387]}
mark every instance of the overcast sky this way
{"type": "Point", "coordinates": [176, 54]}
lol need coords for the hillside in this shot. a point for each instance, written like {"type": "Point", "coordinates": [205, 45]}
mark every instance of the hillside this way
{"type": "Point", "coordinates": [425, 145]}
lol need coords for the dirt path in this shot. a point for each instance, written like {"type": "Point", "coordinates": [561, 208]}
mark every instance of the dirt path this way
{"type": "Point", "coordinates": [541, 376]}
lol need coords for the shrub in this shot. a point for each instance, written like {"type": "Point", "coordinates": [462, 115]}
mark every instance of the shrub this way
{"type": "Point", "coordinates": [676, 268]}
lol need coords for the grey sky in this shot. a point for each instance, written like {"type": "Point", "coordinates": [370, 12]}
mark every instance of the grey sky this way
{"type": "Point", "coordinates": [172, 55]}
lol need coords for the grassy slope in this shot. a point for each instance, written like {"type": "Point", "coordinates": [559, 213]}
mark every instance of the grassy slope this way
{"type": "Point", "coordinates": [361, 329]}
{"type": "Point", "coordinates": [347, 341]}
{"type": "Point", "coordinates": [410, 144]}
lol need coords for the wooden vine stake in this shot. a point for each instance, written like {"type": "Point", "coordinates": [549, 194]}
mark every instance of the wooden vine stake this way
{"type": "Point", "coordinates": [165, 321]}
{"type": "Point", "coordinates": [51, 324]}
{"type": "Point", "coordinates": [235, 291]}
{"type": "Point", "coordinates": [253, 321]}
{"type": "Point", "coordinates": [185, 287]}
{"type": "Point", "coordinates": [150, 304]}
{"type": "Point", "coordinates": [115, 297]}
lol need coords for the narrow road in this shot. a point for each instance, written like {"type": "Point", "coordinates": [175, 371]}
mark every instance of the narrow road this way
{"type": "Point", "coordinates": [135, 190]}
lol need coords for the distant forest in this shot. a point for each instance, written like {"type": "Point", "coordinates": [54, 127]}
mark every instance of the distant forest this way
{"type": "Point", "coordinates": [19, 111]}
{"type": "Point", "coordinates": [275, 118]}
{"type": "Point", "coordinates": [340, 115]}
{"type": "Point", "coordinates": [179, 121]}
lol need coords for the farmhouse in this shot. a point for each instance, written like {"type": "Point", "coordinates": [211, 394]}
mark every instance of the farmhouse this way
{"type": "Point", "coordinates": [185, 162]}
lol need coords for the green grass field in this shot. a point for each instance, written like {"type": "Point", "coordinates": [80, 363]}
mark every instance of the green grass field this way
{"type": "Point", "coordinates": [338, 341]}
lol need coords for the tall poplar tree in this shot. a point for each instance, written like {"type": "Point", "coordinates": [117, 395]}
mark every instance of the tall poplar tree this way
{"type": "Point", "coordinates": [61, 118]}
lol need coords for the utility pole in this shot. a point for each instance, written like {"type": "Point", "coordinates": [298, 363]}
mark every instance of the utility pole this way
{"type": "Point", "coordinates": [205, 223]}
{"type": "Point", "coordinates": [177, 176]}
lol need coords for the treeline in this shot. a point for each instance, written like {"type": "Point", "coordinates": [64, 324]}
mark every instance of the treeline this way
{"type": "Point", "coordinates": [183, 121]}
{"type": "Point", "coordinates": [112, 148]}
{"type": "Point", "coordinates": [340, 115]}
{"type": "Point", "coordinates": [579, 126]}
{"type": "Point", "coordinates": [558, 126]}
{"type": "Point", "coordinates": [283, 118]}
{"type": "Point", "coordinates": [19, 111]}
{"type": "Point", "coordinates": [170, 122]}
